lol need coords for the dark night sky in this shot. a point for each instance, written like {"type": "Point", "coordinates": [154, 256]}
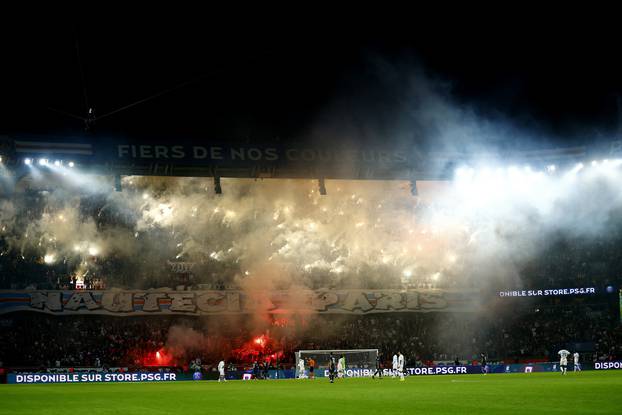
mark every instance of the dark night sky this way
{"type": "Point", "coordinates": [256, 86]}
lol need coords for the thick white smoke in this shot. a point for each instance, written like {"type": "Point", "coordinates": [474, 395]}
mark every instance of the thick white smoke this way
{"type": "Point", "coordinates": [479, 230]}
{"type": "Point", "coordinates": [362, 234]}
{"type": "Point", "coordinates": [276, 233]}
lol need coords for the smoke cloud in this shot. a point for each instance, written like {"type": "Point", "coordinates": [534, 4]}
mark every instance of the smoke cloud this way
{"type": "Point", "coordinates": [282, 234]}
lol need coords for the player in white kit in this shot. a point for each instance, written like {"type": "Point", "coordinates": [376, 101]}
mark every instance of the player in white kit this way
{"type": "Point", "coordinates": [341, 367]}
{"type": "Point", "coordinates": [301, 368]}
{"type": "Point", "coordinates": [221, 371]}
{"type": "Point", "coordinates": [400, 365]}
{"type": "Point", "coordinates": [577, 365]}
{"type": "Point", "coordinates": [394, 366]}
{"type": "Point", "coordinates": [563, 360]}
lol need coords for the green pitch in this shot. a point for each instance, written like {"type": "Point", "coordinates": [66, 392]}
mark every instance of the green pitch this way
{"type": "Point", "coordinates": [546, 393]}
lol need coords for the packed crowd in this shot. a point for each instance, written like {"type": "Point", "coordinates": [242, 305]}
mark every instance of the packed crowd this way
{"type": "Point", "coordinates": [584, 260]}
{"type": "Point", "coordinates": [510, 331]}
{"type": "Point", "coordinates": [35, 340]}
{"type": "Point", "coordinates": [561, 265]}
{"type": "Point", "coordinates": [524, 333]}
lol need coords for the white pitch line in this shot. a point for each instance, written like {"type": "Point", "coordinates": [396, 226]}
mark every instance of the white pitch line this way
{"type": "Point", "coordinates": [464, 381]}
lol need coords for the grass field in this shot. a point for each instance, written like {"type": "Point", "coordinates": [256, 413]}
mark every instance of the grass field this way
{"type": "Point", "coordinates": [546, 393]}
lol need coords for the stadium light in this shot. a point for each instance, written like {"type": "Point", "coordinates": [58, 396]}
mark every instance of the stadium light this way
{"type": "Point", "coordinates": [577, 167]}
{"type": "Point", "coordinates": [464, 172]}
{"type": "Point", "coordinates": [43, 162]}
{"type": "Point", "coordinates": [551, 168]}
{"type": "Point", "coordinates": [71, 164]}
{"type": "Point", "coordinates": [57, 163]}
{"type": "Point", "coordinates": [27, 161]}
{"type": "Point", "coordinates": [49, 259]}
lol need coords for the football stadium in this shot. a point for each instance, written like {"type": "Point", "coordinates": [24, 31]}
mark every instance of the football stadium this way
{"type": "Point", "coordinates": [394, 236]}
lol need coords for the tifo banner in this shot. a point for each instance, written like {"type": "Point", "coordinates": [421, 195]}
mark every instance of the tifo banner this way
{"type": "Point", "coordinates": [117, 302]}
{"type": "Point", "coordinates": [181, 267]}
{"type": "Point", "coordinates": [224, 154]}
{"type": "Point", "coordinates": [90, 377]}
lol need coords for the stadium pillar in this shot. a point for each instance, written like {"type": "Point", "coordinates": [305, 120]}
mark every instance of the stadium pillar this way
{"type": "Point", "coordinates": [322, 186]}
{"type": "Point", "coordinates": [217, 188]}
{"type": "Point", "coordinates": [117, 183]}
{"type": "Point", "coordinates": [413, 187]}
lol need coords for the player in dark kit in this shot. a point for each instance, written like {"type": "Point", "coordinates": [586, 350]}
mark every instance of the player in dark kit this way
{"type": "Point", "coordinates": [332, 368]}
{"type": "Point", "coordinates": [484, 363]}
{"type": "Point", "coordinates": [378, 368]}
{"type": "Point", "coordinates": [265, 372]}
{"type": "Point", "coordinates": [255, 370]}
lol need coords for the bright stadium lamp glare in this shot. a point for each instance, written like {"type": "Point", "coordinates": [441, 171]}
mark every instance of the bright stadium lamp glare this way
{"type": "Point", "coordinates": [576, 169]}
{"type": "Point", "coordinates": [464, 174]}
{"type": "Point", "coordinates": [43, 162]}
{"type": "Point", "coordinates": [71, 164]}
{"type": "Point", "coordinates": [485, 172]}
{"type": "Point", "coordinates": [551, 168]}
{"type": "Point", "coordinates": [27, 161]}
{"type": "Point", "coordinates": [57, 163]}
{"type": "Point", "coordinates": [49, 259]}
